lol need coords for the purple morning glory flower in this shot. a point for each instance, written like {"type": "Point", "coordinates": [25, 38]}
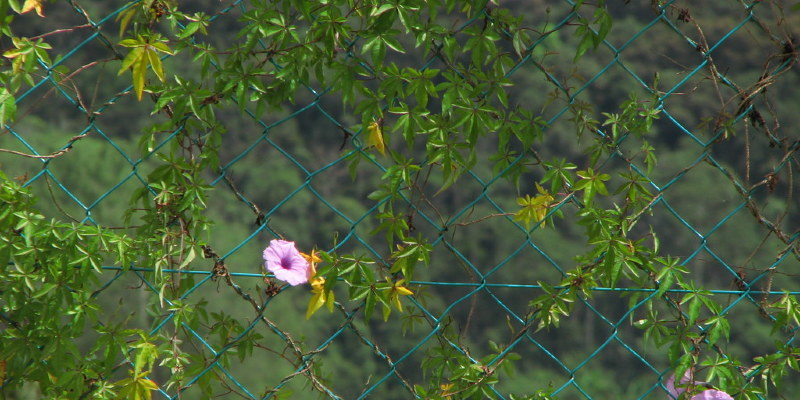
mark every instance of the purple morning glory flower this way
{"type": "Point", "coordinates": [710, 394]}
{"type": "Point", "coordinates": [285, 262]}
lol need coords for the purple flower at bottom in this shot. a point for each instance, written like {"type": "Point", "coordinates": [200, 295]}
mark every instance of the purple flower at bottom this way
{"type": "Point", "coordinates": [710, 394]}
{"type": "Point", "coordinates": [285, 262]}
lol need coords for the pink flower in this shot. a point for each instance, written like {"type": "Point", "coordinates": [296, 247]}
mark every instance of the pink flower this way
{"type": "Point", "coordinates": [710, 394]}
{"type": "Point", "coordinates": [285, 262]}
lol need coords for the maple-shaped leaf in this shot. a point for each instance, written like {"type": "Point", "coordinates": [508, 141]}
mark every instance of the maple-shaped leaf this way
{"type": "Point", "coordinates": [534, 209]}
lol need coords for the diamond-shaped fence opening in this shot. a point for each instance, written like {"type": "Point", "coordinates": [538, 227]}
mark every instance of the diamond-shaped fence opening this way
{"type": "Point", "coordinates": [298, 170]}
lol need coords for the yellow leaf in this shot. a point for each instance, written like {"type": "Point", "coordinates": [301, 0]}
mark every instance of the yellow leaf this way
{"type": "Point", "coordinates": [148, 384]}
{"type": "Point", "coordinates": [375, 137]}
{"type": "Point", "coordinates": [132, 57]}
{"type": "Point", "coordinates": [540, 214]}
{"type": "Point", "coordinates": [329, 301]}
{"type": "Point", "coordinates": [155, 62]}
{"type": "Point", "coordinates": [445, 389]}
{"type": "Point", "coordinates": [139, 71]}
{"type": "Point", "coordinates": [397, 303]}
{"type": "Point", "coordinates": [403, 290]}
{"type": "Point", "coordinates": [32, 5]}
{"type": "Point", "coordinates": [315, 304]}
{"type": "Point", "coordinates": [125, 17]}
{"type": "Point", "coordinates": [399, 290]}
{"type": "Point", "coordinates": [317, 284]}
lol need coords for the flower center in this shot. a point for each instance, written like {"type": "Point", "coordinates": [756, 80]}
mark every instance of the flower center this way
{"type": "Point", "coordinates": [286, 262]}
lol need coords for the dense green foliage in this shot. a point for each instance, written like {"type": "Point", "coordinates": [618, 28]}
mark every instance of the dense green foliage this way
{"type": "Point", "coordinates": [521, 199]}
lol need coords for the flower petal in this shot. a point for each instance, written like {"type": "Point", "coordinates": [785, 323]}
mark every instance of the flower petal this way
{"type": "Point", "coordinates": [712, 394]}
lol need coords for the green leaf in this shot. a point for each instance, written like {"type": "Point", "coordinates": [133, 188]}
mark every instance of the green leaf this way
{"type": "Point", "coordinates": [132, 57]}
{"type": "Point", "coordinates": [190, 30]}
{"type": "Point", "coordinates": [369, 305]}
{"type": "Point", "coordinates": [155, 63]}
{"type": "Point", "coordinates": [613, 266]}
{"type": "Point", "coordinates": [602, 18]}
{"type": "Point", "coordinates": [46, 288]}
{"type": "Point", "coordinates": [382, 9]}
{"type": "Point", "coordinates": [161, 47]}
{"type": "Point", "coordinates": [393, 44]}
{"type": "Point", "coordinates": [8, 107]}
{"type": "Point", "coordinates": [694, 309]}
{"type": "Point", "coordinates": [387, 311]}
{"type": "Point", "coordinates": [130, 43]}
{"type": "Point", "coordinates": [145, 357]}
{"type": "Point", "coordinates": [718, 327]}
{"type": "Point", "coordinates": [586, 42]}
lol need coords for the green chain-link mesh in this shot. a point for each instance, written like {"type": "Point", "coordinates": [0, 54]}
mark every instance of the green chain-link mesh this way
{"type": "Point", "coordinates": [489, 284]}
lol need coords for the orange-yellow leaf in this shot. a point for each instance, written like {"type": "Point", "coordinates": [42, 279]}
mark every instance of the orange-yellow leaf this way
{"type": "Point", "coordinates": [313, 259]}
{"type": "Point", "coordinates": [32, 5]}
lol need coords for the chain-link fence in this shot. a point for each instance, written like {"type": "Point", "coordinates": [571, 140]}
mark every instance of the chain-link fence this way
{"type": "Point", "coordinates": [724, 188]}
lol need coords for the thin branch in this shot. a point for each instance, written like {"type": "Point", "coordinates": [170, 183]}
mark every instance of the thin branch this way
{"type": "Point", "coordinates": [55, 154]}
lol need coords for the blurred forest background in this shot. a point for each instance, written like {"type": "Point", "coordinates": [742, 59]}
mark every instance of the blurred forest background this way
{"type": "Point", "coordinates": [288, 163]}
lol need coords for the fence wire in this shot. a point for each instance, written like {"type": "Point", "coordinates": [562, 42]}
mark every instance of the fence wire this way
{"type": "Point", "coordinates": [487, 283]}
